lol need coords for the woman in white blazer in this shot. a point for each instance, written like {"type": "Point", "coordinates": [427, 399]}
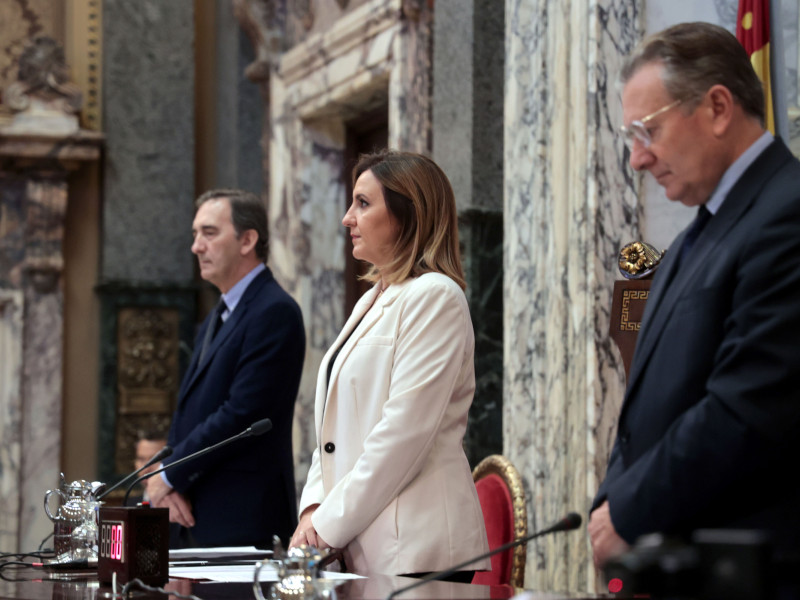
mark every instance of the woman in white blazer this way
{"type": "Point", "coordinates": [389, 482]}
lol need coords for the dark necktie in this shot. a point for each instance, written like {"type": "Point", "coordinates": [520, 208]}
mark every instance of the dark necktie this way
{"type": "Point", "coordinates": [700, 221]}
{"type": "Point", "coordinates": [214, 323]}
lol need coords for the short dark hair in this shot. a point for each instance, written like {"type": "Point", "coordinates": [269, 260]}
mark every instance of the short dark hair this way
{"type": "Point", "coordinates": [247, 212]}
{"type": "Point", "coordinates": [697, 56]}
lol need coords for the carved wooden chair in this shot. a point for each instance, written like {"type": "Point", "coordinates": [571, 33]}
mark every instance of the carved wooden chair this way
{"type": "Point", "coordinates": [505, 514]}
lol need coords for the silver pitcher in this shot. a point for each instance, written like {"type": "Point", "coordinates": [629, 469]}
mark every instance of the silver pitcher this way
{"type": "Point", "coordinates": [299, 575]}
{"type": "Point", "coordinates": [74, 519]}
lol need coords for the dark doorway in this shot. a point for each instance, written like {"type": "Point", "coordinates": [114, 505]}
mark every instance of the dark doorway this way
{"type": "Point", "coordinates": [368, 133]}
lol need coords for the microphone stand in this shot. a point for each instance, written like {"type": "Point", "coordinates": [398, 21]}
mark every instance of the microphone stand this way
{"type": "Point", "coordinates": [256, 428]}
{"type": "Point", "coordinates": [158, 457]}
{"type": "Point", "coordinates": [571, 521]}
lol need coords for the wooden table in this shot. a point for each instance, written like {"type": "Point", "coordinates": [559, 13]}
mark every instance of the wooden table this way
{"type": "Point", "coordinates": [37, 584]}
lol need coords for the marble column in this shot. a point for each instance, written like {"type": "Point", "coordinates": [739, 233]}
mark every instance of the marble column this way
{"type": "Point", "coordinates": [11, 308]}
{"type": "Point", "coordinates": [146, 288]}
{"type": "Point", "coordinates": [570, 202]}
{"type": "Point", "coordinates": [468, 63]}
{"type": "Point", "coordinates": [38, 149]}
{"type": "Point", "coordinates": [239, 106]}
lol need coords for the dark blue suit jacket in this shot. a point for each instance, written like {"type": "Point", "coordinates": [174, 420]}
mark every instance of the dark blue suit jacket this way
{"type": "Point", "coordinates": [244, 492]}
{"type": "Point", "coordinates": [707, 435]}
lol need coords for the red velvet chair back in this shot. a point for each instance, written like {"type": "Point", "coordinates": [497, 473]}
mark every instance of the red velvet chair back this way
{"type": "Point", "coordinates": [505, 515]}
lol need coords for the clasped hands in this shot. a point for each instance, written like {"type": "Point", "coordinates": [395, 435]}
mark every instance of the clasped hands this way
{"type": "Point", "coordinates": [163, 496]}
{"type": "Point", "coordinates": [606, 542]}
{"type": "Point", "coordinates": [305, 532]}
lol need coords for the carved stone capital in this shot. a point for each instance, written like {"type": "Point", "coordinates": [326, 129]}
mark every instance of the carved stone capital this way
{"type": "Point", "coordinates": [44, 274]}
{"type": "Point", "coordinates": [43, 99]}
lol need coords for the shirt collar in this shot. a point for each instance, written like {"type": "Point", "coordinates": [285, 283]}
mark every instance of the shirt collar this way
{"type": "Point", "coordinates": [736, 170]}
{"type": "Point", "coordinates": [235, 294]}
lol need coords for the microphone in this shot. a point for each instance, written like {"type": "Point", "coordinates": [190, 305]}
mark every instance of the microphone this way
{"type": "Point", "coordinates": [571, 521]}
{"type": "Point", "coordinates": [257, 428]}
{"type": "Point", "coordinates": [157, 457]}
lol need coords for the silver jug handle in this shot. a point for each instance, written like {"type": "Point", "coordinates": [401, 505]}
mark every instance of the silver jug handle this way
{"type": "Point", "coordinates": [47, 495]}
{"type": "Point", "coordinates": [257, 579]}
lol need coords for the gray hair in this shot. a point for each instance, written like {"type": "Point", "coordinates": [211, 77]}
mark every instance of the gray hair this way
{"type": "Point", "coordinates": [695, 57]}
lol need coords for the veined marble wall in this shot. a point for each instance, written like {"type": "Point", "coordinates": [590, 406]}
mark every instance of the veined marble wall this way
{"type": "Point", "coordinates": [375, 56]}
{"type": "Point", "coordinates": [11, 308]}
{"type": "Point", "coordinates": [570, 202]}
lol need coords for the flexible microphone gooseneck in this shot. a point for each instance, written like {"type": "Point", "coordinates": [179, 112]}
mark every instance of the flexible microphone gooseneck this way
{"type": "Point", "coordinates": [257, 428]}
{"type": "Point", "coordinates": [157, 457]}
{"type": "Point", "coordinates": [571, 521]}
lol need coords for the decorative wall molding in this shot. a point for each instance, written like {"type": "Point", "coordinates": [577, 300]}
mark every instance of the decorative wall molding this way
{"type": "Point", "coordinates": [85, 57]}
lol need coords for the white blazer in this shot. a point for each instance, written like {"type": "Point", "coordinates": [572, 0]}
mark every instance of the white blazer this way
{"type": "Point", "coordinates": [389, 471]}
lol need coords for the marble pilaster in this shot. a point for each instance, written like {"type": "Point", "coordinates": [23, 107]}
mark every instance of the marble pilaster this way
{"type": "Point", "coordinates": [11, 309]}
{"type": "Point", "coordinates": [39, 146]}
{"type": "Point", "coordinates": [468, 60]}
{"type": "Point", "coordinates": [34, 202]}
{"type": "Point", "coordinates": [570, 201]}
{"type": "Point", "coordinates": [239, 107]}
{"type": "Point", "coordinates": [148, 75]}
{"type": "Point", "coordinates": [146, 284]}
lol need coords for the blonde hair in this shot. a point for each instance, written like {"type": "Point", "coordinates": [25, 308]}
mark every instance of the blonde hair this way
{"type": "Point", "coordinates": [420, 198]}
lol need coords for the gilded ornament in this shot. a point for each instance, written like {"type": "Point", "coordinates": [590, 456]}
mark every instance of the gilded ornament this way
{"type": "Point", "coordinates": [638, 260]}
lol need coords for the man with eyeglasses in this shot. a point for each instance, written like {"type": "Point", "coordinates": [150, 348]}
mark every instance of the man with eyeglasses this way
{"type": "Point", "coordinates": [707, 432]}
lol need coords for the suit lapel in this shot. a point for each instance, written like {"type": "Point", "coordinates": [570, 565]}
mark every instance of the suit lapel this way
{"type": "Point", "coordinates": [228, 327]}
{"type": "Point", "coordinates": [665, 295]}
{"type": "Point", "coordinates": [357, 326]}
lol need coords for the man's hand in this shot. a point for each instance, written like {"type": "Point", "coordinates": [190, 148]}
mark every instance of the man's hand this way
{"type": "Point", "coordinates": [180, 510]}
{"type": "Point", "coordinates": [163, 496]}
{"type": "Point", "coordinates": [305, 532]}
{"type": "Point", "coordinates": [606, 542]}
{"type": "Point", "coordinates": [157, 490]}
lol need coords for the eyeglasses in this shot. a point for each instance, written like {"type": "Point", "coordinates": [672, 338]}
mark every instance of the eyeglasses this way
{"type": "Point", "coordinates": [638, 130]}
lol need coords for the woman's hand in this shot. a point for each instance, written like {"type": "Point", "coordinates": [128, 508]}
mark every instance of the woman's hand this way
{"type": "Point", "coordinates": [305, 532]}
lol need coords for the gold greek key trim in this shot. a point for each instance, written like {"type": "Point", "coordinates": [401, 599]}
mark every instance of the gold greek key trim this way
{"type": "Point", "coordinates": [625, 324]}
{"type": "Point", "coordinates": [502, 467]}
{"type": "Point", "coordinates": [85, 57]}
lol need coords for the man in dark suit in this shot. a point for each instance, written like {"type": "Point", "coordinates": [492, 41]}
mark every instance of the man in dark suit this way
{"type": "Point", "coordinates": [246, 366]}
{"type": "Point", "coordinates": [707, 435]}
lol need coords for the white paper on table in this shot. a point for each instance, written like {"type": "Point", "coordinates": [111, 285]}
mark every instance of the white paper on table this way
{"type": "Point", "coordinates": [178, 554]}
{"type": "Point", "coordinates": [243, 573]}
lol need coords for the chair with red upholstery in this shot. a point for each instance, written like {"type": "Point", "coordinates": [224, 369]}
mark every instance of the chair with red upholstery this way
{"type": "Point", "coordinates": [502, 499]}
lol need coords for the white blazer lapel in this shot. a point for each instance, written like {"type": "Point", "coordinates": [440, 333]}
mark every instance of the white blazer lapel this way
{"type": "Point", "coordinates": [323, 385]}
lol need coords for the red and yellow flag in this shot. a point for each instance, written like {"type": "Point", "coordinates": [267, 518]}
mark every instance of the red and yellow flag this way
{"type": "Point", "coordinates": [752, 30]}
